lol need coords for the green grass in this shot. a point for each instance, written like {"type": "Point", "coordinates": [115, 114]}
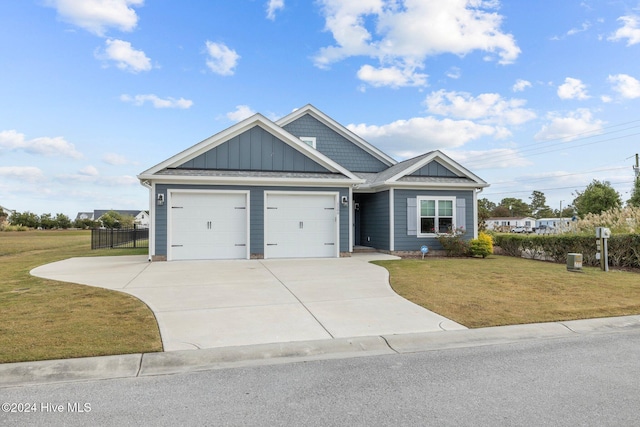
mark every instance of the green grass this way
{"type": "Point", "coordinates": [45, 319]}
{"type": "Point", "coordinates": [502, 290]}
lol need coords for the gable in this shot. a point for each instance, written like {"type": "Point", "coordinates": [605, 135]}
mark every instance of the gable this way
{"type": "Point", "coordinates": [254, 150]}
{"type": "Point", "coordinates": [434, 168]}
{"type": "Point", "coordinates": [335, 141]}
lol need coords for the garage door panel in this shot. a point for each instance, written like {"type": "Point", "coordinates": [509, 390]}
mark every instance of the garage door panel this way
{"type": "Point", "coordinates": [208, 226]}
{"type": "Point", "coordinates": [300, 225]}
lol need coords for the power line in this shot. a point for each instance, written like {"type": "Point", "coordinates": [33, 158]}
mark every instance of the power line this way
{"type": "Point", "coordinates": [551, 189]}
{"type": "Point", "coordinates": [563, 143]}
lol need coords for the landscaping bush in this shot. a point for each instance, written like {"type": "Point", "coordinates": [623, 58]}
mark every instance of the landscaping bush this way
{"type": "Point", "coordinates": [482, 246]}
{"type": "Point", "coordinates": [623, 249]}
{"type": "Point", "coordinates": [453, 243]}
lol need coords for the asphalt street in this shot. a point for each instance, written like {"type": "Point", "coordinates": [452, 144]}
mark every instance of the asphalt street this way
{"type": "Point", "coordinates": [590, 380]}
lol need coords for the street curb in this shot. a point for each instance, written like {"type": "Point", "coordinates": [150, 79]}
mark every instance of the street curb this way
{"type": "Point", "coordinates": [66, 370]}
{"type": "Point", "coordinates": [223, 357]}
{"type": "Point", "coordinates": [150, 364]}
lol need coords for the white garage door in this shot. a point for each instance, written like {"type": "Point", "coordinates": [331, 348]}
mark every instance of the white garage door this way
{"type": "Point", "coordinates": [301, 226]}
{"type": "Point", "coordinates": [208, 226]}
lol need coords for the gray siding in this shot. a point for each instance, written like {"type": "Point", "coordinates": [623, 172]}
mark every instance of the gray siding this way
{"type": "Point", "coordinates": [257, 150]}
{"type": "Point", "coordinates": [335, 146]}
{"type": "Point", "coordinates": [256, 226]}
{"type": "Point", "coordinates": [374, 220]}
{"type": "Point", "coordinates": [405, 242]}
{"type": "Point", "coordinates": [434, 169]}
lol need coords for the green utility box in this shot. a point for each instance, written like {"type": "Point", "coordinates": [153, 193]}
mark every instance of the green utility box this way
{"type": "Point", "coordinates": [574, 262]}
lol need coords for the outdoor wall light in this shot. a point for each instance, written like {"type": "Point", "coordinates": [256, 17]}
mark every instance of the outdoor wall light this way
{"type": "Point", "coordinates": [345, 201]}
{"type": "Point", "coordinates": [160, 200]}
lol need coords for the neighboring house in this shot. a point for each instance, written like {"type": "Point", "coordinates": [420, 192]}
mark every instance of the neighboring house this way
{"type": "Point", "coordinates": [553, 225]}
{"type": "Point", "coordinates": [5, 213]}
{"type": "Point", "coordinates": [303, 186]}
{"type": "Point", "coordinates": [141, 218]}
{"type": "Point", "coordinates": [84, 215]}
{"type": "Point", "coordinates": [508, 223]}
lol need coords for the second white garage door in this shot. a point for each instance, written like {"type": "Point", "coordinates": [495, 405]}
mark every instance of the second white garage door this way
{"type": "Point", "coordinates": [208, 225]}
{"type": "Point", "coordinates": [301, 225]}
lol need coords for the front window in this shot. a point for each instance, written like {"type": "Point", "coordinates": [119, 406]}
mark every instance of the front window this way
{"type": "Point", "coordinates": [436, 215]}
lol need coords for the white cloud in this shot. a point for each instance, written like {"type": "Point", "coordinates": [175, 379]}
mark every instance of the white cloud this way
{"type": "Point", "coordinates": [156, 101]}
{"type": "Point", "coordinates": [584, 27]}
{"type": "Point", "coordinates": [22, 173]}
{"type": "Point", "coordinates": [454, 73]}
{"type": "Point", "coordinates": [240, 113]}
{"type": "Point", "coordinates": [402, 36]}
{"type": "Point", "coordinates": [572, 89]}
{"type": "Point", "coordinates": [391, 76]}
{"type": "Point", "coordinates": [86, 177]}
{"type": "Point", "coordinates": [520, 85]}
{"type": "Point", "coordinates": [97, 16]}
{"type": "Point", "coordinates": [272, 7]}
{"type": "Point", "coordinates": [115, 159]}
{"type": "Point", "coordinates": [89, 171]}
{"type": "Point", "coordinates": [486, 107]}
{"type": "Point", "coordinates": [570, 126]}
{"type": "Point", "coordinates": [221, 60]}
{"type": "Point", "coordinates": [126, 57]}
{"type": "Point", "coordinates": [11, 140]}
{"type": "Point", "coordinates": [420, 134]}
{"type": "Point", "coordinates": [627, 86]}
{"type": "Point", "coordinates": [630, 30]}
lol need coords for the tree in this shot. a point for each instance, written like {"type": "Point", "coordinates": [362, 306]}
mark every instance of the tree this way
{"type": "Point", "coordinates": [62, 221]}
{"type": "Point", "coordinates": [113, 219]}
{"type": "Point", "coordinates": [26, 219]}
{"type": "Point", "coordinates": [635, 195]}
{"type": "Point", "coordinates": [538, 205]}
{"type": "Point", "coordinates": [485, 209]}
{"type": "Point", "coordinates": [516, 207]}
{"type": "Point", "coordinates": [501, 211]}
{"type": "Point", "coordinates": [598, 197]}
{"type": "Point", "coordinates": [46, 221]}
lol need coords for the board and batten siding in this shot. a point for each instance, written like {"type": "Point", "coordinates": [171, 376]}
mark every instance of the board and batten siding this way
{"type": "Point", "coordinates": [434, 169]}
{"type": "Point", "coordinates": [335, 146]}
{"type": "Point", "coordinates": [374, 220]}
{"type": "Point", "coordinates": [405, 212]}
{"type": "Point", "coordinates": [256, 222]}
{"type": "Point", "coordinates": [256, 150]}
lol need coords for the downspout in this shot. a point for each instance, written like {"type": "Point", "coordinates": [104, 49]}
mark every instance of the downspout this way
{"type": "Point", "coordinates": [152, 217]}
{"type": "Point", "coordinates": [392, 220]}
{"type": "Point", "coordinates": [475, 212]}
{"type": "Point", "coordinates": [351, 219]}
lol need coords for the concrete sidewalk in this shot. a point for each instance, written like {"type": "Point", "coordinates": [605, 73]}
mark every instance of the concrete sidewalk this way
{"type": "Point", "coordinates": [140, 365]}
{"type": "Point", "coordinates": [210, 304]}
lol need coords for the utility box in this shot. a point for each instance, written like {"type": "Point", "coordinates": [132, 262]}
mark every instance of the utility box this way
{"type": "Point", "coordinates": [574, 262]}
{"type": "Point", "coordinates": [603, 233]}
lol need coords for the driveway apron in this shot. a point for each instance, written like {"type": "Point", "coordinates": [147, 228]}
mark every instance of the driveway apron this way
{"type": "Point", "coordinates": [207, 304]}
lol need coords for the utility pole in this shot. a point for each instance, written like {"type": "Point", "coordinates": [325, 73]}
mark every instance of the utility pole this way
{"type": "Point", "coordinates": [636, 168]}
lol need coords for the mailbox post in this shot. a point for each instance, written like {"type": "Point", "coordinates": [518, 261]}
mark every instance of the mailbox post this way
{"type": "Point", "coordinates": [602, 235]}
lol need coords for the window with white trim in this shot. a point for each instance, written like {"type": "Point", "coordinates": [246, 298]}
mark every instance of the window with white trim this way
{"type": "Point", "coordinates": [436, 215]}
{"type": "Point", "coordinates": [309, 140]}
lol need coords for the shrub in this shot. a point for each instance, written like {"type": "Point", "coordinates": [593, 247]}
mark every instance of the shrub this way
{"type": "Point", "coordinates": [453, 243]}
{"type": "Point", "coordinates": [482, 246]}
{"type": "Point", "coordinates": [623, 249]}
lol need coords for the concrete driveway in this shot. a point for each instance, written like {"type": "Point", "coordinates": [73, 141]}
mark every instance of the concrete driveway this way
{"type": "Point", "coordinates": [207, 304]}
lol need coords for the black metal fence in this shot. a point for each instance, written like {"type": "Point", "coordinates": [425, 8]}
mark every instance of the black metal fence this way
{"type": "Point", "coordinates": [119, 238]}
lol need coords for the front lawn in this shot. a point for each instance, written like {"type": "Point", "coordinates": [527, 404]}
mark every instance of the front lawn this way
{"type": "Point", "coordinates": [502, 290]}
{"type": "Point", "coordinates": [45, 319]}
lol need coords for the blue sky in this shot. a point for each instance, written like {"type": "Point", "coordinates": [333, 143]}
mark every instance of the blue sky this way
{"type": "Point", "coordinates": [540, 95]}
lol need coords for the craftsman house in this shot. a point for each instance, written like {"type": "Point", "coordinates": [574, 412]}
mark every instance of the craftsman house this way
{"type": "Point", "coordinates": [303, 186]}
